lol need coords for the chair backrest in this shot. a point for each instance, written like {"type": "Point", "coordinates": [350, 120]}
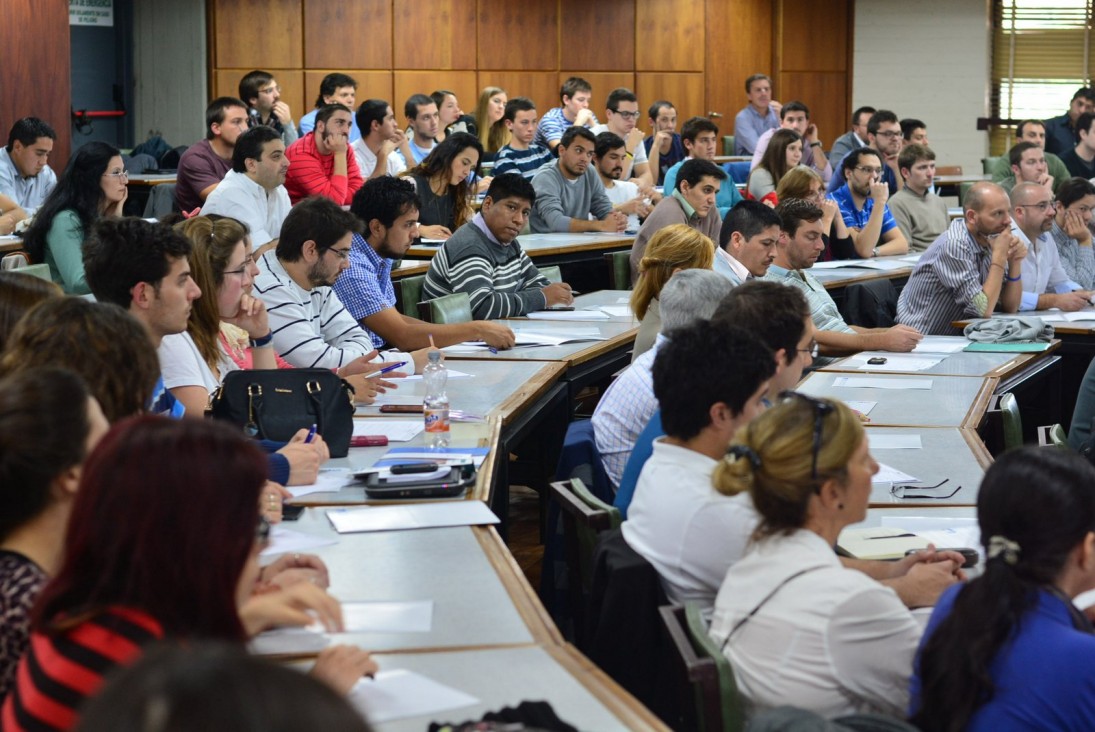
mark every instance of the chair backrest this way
{"type": "Point", "coordinates": [738, 171]}
{"type": "Point", "coordinates": [948, 170]}
{"type": "Point", "coordinates": [733, 710]}
{"type": "Point", "coordinates": [1012, 422]}
{"type": "Point", "coordinates": [410, 293]}
{"type": "Point", "coordinates": [1053, 435]}
{"type": "Point", "coordinates": [619, 269]}
{"type": "Point", "coordinates": [727, 144]}
{"type": "Point", "coordinates": [552, 273]}
{"type": "Point", "coordinates": [698, 678]}
{"type": "Point", "coordinates": [454, 308]}
{"type": "Point", "coordinates": [996, 165]}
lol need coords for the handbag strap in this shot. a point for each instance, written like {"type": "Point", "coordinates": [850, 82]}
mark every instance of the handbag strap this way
{"type": "Point", "coordinates": [768, 597]}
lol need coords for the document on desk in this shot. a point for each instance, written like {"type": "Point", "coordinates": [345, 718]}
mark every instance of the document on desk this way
{"type": "Point", "coordinates": [941, 344]}
{"type": "Point", "coordinates": [575, 335]}
{"type": "Point", "coordinates": [945, 532]}
{"type": "Point", "coordinates": [889, 441]}
{"type": "Point", "coordinates": [330, 480]}
{"type": "Point", "coordinates": [399, 694]}
{"type": "Point", "coordinates": [880, 542]}
{"type": "Point", "coordinates": [883, 265]}
{"type": "Point", "coordinates": [616, 311]}
{"type": "Point", "coordinates": [453, 373]}
{"type": "Point", "coordinates": [446, 455]}
{"type": "Point", "coordinates": [385, 617]}
{"type": "Point", "coordinates": [568, 315]}
{"type": "Point", "coordinates": [863, 407]}
{"type": "Point", "coordinates": [880, 382]}
{"type": "Point", "coordinates": [288, 642]}
{"type": "Point", "coordinates": [396, 430]}
{"type": "Point", "coordinates": [889, 474]}
{"type": "Point", "coordinates": [1072, 317]}
{"type": "Point", "coordinates": [284, 541]}
{"type": "Point", "coordinates": [897, 362]}
{"type": "Point", "coordinates": [410, 516]}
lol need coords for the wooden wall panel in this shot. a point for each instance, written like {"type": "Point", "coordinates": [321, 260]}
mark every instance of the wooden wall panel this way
{"type": "Point", "coordinates": [743, 29]}
{"type": "Point", "coordinates": [685, 91]}
{"type": "Point", "coordinates": [461, 83]}
{"type": "Point", "coordinates": [438, 34]}
{"type": "Point", "coordinates": [370, 85]}
{"type": "Point", "coordinates": [602, 82]}
{"type": "Point", "coordinates": [670, 35]}
{"type": "Point", "coordinates": [365, 24]}
{"type": "Point", "coordinates": [258, 34]}
{"type": "Point", "coordinates": [226, 83]}
{"type": "Point", "coordinates": [814, 35]}
{"type": "Point", "coordinates": [518, 36]}
{"type": "Point", "coordinates": [542, 87]}
{"type": "Point", "coordinates": [36, 82]}
{"type": "Point", "coordinates": [825, 93]}
{"type": "Point", "coordinates": [599, 36]}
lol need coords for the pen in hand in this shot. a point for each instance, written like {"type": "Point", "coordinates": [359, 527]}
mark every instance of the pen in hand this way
{"type": "Point", "coordinates": [311, 435]}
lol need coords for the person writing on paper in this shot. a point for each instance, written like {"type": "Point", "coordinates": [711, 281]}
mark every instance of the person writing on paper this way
{"type": "Point", "coordinates": [388, 207]}
{"type": "Point", "coordinates": [975, 265]}
{"type": "Point", "coordinates": [1010, 650]}
{"type": "Point", "coordinates": [181, 567]}
{"type": "Point", "coordinates": [1045, 283]}
{"type": "Point", "coordinates": [484, 258]}
{"type": "Point", "coordinates": [794, 622]}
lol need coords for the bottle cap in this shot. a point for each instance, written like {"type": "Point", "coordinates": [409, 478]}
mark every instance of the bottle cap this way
{"type": "Point", "coordinates": [434, 356]}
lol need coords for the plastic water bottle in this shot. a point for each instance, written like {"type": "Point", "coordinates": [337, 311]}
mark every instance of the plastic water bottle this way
{"type": "Point", "coordinates": [436, 405]}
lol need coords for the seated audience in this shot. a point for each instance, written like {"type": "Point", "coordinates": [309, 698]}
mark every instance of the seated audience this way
{"type": "Point", "coordinates": [216, 686]}
{"type": "Point", "coordinates": [1061, 132]}
{"type": "Point", "coordinates": [489, 112]}
{"type": "Point", "coordinates": [167, 571]}
{"type": "Point", "coordinates": [18, 294]}
{"type": "Point", "coordinates": [321, 162]}
{"type": "Point", "coordinates": [1075, 202]}
{"type": "Point", "coordinates": [975, 265]}
{"type": "Point", "coordinates": [567, 197]}
{"type": "Point", "coordinates": [664, 140]}
{"type": "Point", "coordinates": [921, 216]}
{"type": "Point", "coordinates": [377, 151]}
{"type": "Point", "coordinates": [521, 154]}
{"type": "Point", "coordinates": [628, 404]}
{"type": "Point", "coordinates": [424, 127]}
{"type": "Point", "coordinates": [49, 422]}
{"type": "Point", "coordinates": [388, 207]}
{"type": "Point", "coordinates": [913, 132]}
{"type": "Point", "coordinates": [838, 641]}
{"type": "Point", "coordinates": [747, 242]}
{"type": "Point", "coordinates": [450, 117]}
{"type": "Point", "coordinates": [1029, 130]}
{"type": "Point", "coordinates": [609, 154]}
{"type": "Point", "coordinates": [310, 326]}
{"type": "Point", "coordinates": [93, 185]}
{"type": "Point", "coordinates": [692, 203]}
{"type": "Point", "coordinates": [853, 138]}
{"type": "Point", "coordinates": [622, 111]}
{"type": "Point", "coordinates": [783, 153]}
{"type": "Point", "coordinates": [757, 117]}
{"type": "Point", "coordinates": [1028, 165]}
{"type": "Point", "coordinates": [805, 184]}
{"type": "Point", "coordinates": [862, 201]}
{"type": "Point", "coordinates": [25, 175]}
{"type": "Point", "coordinates": [484, 258]}
{"type": "Point", "coordinates": [1080, 160]}
{"type": "Point", "coordinates": [674, 248]}
{"type": "Point", "coordinates": [884, 137]}
{"type": "Point", "coordinates": [574, 110]}
{"type": "Point", "coordinates": [205, 163]}
{"type": "Point", "coordinates": [700, 138]}
{"type": "Point", "coordinates": [442, 181]}
{"type": "Point", "coordinates": [796, 252]}
{"type": "Point", "coordinates": [796, 116]}
{"type": "Point", "coordinates": [335, 88]}
{"type": "Point", "coordinates": [1045, 283]}
{"type": "Point", "coordinates": [1009, 650]}
{"type": "Point", "coordinates": [253, 192]}
{"type": "Point", "coordinates": [260, 90]}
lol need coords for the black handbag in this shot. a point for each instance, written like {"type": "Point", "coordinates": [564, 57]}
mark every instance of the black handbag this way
{"type": "Point", "coordinates": [273, 404]}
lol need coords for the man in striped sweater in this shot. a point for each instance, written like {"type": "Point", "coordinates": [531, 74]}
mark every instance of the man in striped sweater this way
{"type": "Point", "coordinates": [484, 259]}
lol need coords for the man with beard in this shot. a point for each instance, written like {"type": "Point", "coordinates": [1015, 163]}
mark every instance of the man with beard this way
{"type": "Point", "coordinates": [389, 209]}
{"type": "Point", "coordinates": [322, 162]}
{"type": "Point", "coordinates": [1045, 284]}
{"type": "Point", "coordinates": [309, 325]}
{"type": "Point", "coordinates": [253, 192]}
{"type": "Point", "coordinates": [884, 137]}
{"type": "Point", "coordinates": [862, 201]}
{"type": "Point", "coordinates": [205, 163]}
{"type": "Point", "coordinates": [566, 195]}
{"type": "Point", "coordinates": [609, 156]}
{"type": "Point", "coordinates": [975, 265]}
{"type": "Point", "coordinates": [485, 260]}
{"type": "Point", "coordinates": [796, 252]}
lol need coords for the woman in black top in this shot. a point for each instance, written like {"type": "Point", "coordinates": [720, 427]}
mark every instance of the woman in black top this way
{"type": "Point", "coordinates": [444, 187]}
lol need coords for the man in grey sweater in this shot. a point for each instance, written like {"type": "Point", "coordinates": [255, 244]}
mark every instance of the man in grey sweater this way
{"type": "Point", "coordinates": [484, 259]}
{"type": "Point", "coordinates": [568, 191]}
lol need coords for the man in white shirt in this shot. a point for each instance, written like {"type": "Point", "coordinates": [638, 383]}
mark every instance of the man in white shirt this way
{"type": "Point", "coordinates": [1045, 283]}
{"type": "Point", "coordinates": [377, 150]}
{"type": "Point", "coordinates": [253, 191]}
{"type": "Point", "coordinates": [622, 110]}
{"type": "Point", "coordinates": [25, 175]}
{"type": "Point", "coordinates": [747, 241]}
{"type": "Point", "coordinates": [609, 156]}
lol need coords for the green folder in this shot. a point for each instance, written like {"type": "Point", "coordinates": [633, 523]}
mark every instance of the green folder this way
{"type": "Point", "coordinates": [1016, 347]}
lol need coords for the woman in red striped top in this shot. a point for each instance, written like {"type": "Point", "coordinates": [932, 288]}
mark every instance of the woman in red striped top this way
{"type": "Point", "coordinates": [163, 542]}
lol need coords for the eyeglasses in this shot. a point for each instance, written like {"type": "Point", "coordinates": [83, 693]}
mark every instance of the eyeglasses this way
{"type": "Point", "coordinates": [891, 134]}
{"type": "Point", "coordinates": [247, 264]}
{"type": "Point", "coordinates": [1040, 206]}
{"type": "Point", "coordinates": [343, 254]}
{"type": "Point", "coordinates": [625, 115]}
{"type": "Point", "coordinates": [119, 174]}
{"type": "Point", "coordinates": [262, 531]}
{"type": "Point", "coordinates": [897, 490]}
{"type": "Point", "coordinates": [270, 90]}
{"type": "Point", "coordinates": [821, 409]}
{"type": "Point", "coordinates": [868, 170]}
{"type": "Point", "coordinates": [813, 350]}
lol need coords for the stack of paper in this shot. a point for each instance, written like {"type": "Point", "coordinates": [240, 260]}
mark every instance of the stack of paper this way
{"type": "Point", "coordinates": [400, 694]}
{"type": "Point", "coordinates": [941, 344]}
{"type": "Point", "coordinates": [880, 542]}
{"type": "Point", "coordinates": [410, 516]}
{"type": "Point", "coordinates": [330, 480]}
{"type": "Point", "coordinates": [878, 382]}
{"type": "Point", "coordinates": [568, 315]}
{"type": "Point", "coordinates": [284, 541]}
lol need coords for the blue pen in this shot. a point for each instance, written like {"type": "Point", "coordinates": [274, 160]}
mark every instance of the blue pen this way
{"type": "Point", "coordinates": [386, 369]}
{"type": "Point", "coordinates": [311, 435]}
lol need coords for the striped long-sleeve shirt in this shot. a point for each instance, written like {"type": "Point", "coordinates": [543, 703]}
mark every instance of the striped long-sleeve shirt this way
{"type": "Point", "coordinates": [500, 279]}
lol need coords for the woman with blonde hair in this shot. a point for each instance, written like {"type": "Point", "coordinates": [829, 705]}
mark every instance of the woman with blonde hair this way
{"type": "Point", "coordinates": [794, 622]}
{"type": "Point", "coordinates": [806, 183]}
{"type": "Point", "coordinates": [488, 120]}
{"type": "Point", "coordinates": [672, 249]}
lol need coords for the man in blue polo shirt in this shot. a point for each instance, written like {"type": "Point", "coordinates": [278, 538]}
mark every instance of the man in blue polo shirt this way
{"type": "Point", "coordinates": [862, 201]}
{"type": "Point", "coordinates": [884, 137]}
{"type": "Point", "coordinates": [389, 208]}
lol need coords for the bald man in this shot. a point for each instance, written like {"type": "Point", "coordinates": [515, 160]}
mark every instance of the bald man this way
{"type": "Point", "coordinates": [1045, 283]}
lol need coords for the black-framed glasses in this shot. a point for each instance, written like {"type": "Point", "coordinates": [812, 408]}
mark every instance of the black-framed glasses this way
{"type": "Point", "coordinates": [247, 263]}
{"type": "Point", "coordinates": [813, 350]}
{"type": "Point", "coordinates": [821, 409]}
{"type": "Point", "coordinates": [626, 115]}
{"type": "Point", "coordinates": [341, 253]}
{"type": "Point", "coordinates": [899, 490]}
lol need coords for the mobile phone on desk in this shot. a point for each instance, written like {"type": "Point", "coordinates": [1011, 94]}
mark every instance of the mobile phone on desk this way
{"type": "Point", "coordinates": [291, 511]}
{"type": "Point", "coordinates": [401, 409]}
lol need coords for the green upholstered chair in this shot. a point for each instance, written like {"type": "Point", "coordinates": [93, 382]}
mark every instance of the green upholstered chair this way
{"type": "Point", "coordinates": [1012, 422]}
{"type": "Point", "coordinates": [619, 269]}
{"type": "Point", "coordinates": [998, 165]}
{"type": "Point", "coordinates": [727, 144]}
{"type": "Point", "coordinates": [454, 308]}
{"type": "Point", "coordinates": [1053, 436]}
{"type": "Point", "coordinates": [552, 272]}
{"type": "Point", "coordinates": [410, 293]}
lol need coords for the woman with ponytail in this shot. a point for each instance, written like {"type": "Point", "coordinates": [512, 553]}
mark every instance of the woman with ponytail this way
{"type": "Point", "coordinates": [1010, 650]}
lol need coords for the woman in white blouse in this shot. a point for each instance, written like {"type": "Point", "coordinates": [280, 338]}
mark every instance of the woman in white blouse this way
{"type": "Point", "coordinates": [797, 626]}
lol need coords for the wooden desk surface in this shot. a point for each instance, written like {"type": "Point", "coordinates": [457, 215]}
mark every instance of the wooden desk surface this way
{"type": "Point", "coordinates": [617, 335]}
{"type": "Point", "coordinates": [410, 268]}
{"type": "Point", "coordinates": [10, 244]}
{"type": "Point", "coordinates": [545, 245]}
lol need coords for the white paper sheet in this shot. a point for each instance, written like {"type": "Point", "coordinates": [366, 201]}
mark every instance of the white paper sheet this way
{"type": "Point", "coordinates": [889, 474]}
{"type": "Point", "coordinates": [941, 344]}
{"type": "Point", "coordinates": [329, 480]}
{"type": "Point", "coordinates": [385, 617]}
{"type": "Point", "coordinates": [944, 532]}
{"type": "Point", "coordinates": [1073, 317]}
{"type": "Point", "coordinates": [622, 300]}
{"type": "Point", "coordinates": [288, 641]}
{"type": "Point", "coordinates": [890, 441]}
{"type": "Point", "coordinates": [391, 398]}
{"type": "Point", "coordinates": [453, 373]}
{"type": "Point", "coordinates": [284, 540]}
{"type": "Point", "coordinates": [884, 265]}
{"type": "Point", "coordinates": [881, 382]}
{"type": "Point", "coordinates": [863, 407]}
{"type": "Point", "coordinates": [396, 430]}
{"type": "Point", "coordinates": [568, 315]}
{"type": "Point", "coordinates": [448, 456]}
{"type": "Point", "coordinates": [617, 311]}
{"type": "Point", "coordinates": [400, 694]}
{"type": "Point", "coordinates": [410, 516]}
{"type": "Point", "coordinates": [895, 363]}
